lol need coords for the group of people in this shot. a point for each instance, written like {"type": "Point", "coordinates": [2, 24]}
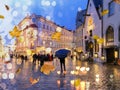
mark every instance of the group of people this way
{"type": "Point", "coordinates": [41, 57]}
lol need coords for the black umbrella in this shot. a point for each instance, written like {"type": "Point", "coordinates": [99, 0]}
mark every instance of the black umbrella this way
{"type": "Point", "coordinates": [62, 53]}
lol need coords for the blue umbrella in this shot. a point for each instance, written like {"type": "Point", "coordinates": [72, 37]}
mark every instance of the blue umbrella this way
{"type": "Point", "coordinates": [62, 53]}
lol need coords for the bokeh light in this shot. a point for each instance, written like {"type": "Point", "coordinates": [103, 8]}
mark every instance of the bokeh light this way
{"type": "Point", "coordinates": [58, 72]}
{"type": "Point", "coordinates": [47, 3]}
{"type": "Point", "coordinates": [9, 66]}
{"type": "Point", "coordinates": [17, 4]}
{"type": "Point", "coordinates": [29, 3]}
{"type": "Point", "coordinates": [72, 82]}
{"type": "Point", "coordinates": [53, 3]}
{"type": "Point", "coordinates": [24, 8]}
{"type": "Point", "coordinates": [15, 13]}
{"type": "Point", "coordinates": [79, 9]}
{"type": "Point", "coordinates": [4, 76]}
{"type": "Point", "coordinates": [48, 17]}
{"type": "Point", "coordinates": [87, 68]}
{"type": "Point", "coordinates": [11, 75]}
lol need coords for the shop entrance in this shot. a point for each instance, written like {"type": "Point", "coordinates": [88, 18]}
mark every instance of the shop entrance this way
{"type": "Point", "coordinates": [110, 55]}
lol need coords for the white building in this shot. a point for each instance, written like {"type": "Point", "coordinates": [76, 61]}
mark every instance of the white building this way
{"type": "Point", "coordinates": [92, 31]}
{"type": "Point", "coordinates": [78, 33]}
{"type": "Point", "coordinates": [111, 30]}
{"type": "Point", "coordinates": [37, 31]}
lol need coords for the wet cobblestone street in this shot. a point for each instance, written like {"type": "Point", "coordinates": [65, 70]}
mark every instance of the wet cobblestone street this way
{"type": "Point", "coordinates": [99, 77]}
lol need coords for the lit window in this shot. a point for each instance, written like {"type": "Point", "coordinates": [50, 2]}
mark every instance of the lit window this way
{"type": "Point", "coordinates": [110, 34]}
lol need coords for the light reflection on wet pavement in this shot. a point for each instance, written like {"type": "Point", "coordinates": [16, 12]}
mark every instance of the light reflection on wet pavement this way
{"type": "Point", "coordinates": [99, 77]}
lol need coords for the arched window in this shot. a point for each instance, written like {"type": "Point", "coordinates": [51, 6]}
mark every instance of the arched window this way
{"type": "Point", "coordinates": [110, 34]}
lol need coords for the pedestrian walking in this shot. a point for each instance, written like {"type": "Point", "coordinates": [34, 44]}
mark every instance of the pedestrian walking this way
{"type": "Point", "coordinates": [22, 58]}
{"type": "Point", "coordinates": [62, 64]}
{"type": "Point", "coordinates": [34, 58]}
{"type": "Point", "coordinates": [42, 58]}
{"type": "Point", "coordinates": [62, 54]}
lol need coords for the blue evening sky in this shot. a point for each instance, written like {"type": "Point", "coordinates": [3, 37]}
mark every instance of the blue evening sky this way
{"type": "Point", "coordinates": [62, 12]}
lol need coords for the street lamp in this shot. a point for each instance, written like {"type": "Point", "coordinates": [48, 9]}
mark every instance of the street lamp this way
{"type": "Point", "coordinates": [102, 57]}
{"type": "Point", "coordinates": [115, 55]}
{"type": "Point", "coordinates": [96, 55]}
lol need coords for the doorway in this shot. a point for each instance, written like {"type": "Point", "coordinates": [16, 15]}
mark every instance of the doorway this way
{"type": "Point", "coordinates": [110, 55]}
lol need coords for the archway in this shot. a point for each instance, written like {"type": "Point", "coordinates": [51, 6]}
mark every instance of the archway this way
{"type": "Point", "coordinates": [110, 34]}
{"type": "Point", "coordinates": [110, 44]}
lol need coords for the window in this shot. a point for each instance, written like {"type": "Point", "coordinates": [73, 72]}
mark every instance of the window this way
{"type": "Point", "coordinates": [43, 26]}
{"type": "Point", "coordinates": [47, 27]}
{"type": "Point", "coordinates": [50, 28]}
{"type": "Point", "coordinates": [90, 4]}
{"type": "Point", "coordinates": [111, 8]}
{"type": "Point", "coordinates": [110, 34]}
{"type": "Point", "coordinates": [39, 24]}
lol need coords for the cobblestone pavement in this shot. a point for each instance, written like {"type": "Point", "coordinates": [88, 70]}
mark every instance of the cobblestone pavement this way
{"type": "Point", "coordinates": [99, 77]}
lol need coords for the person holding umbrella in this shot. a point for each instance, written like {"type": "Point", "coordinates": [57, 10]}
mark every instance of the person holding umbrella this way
{"type": "Point", "coordinates": [62, 63]}
{"type": "Point", "coordinates": [62, 54]}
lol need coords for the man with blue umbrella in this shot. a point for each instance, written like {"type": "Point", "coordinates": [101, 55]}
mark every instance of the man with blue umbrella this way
{"type": "Point", "coordinates": [62, 54]}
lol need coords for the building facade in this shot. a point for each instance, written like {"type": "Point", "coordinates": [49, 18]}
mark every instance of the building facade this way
{"type": "Point", "coordinates": [101, 31]}
{"type": "Point", "coordinates": [92, 31]}
{"type": "Point", "coordinates": [37, 32]}
{"type": "Point", "coordinates": [111, 30]}
{"type": "Point", "coordinates": [78, 33]}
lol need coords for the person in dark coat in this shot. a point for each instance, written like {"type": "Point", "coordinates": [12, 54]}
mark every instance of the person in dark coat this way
{"type": "Point", "coordinates": [34, 58]}
{"type": "Point", "coordinates": [42, 59]}
{"type": "Point", "coordinates": [22, 58]}
{"type": "Point", "coordinates": [62, 64]}
{"type": "Point", "coordinates": [25, 57]}
{"type": "Point", "coordinates": [38, 57]}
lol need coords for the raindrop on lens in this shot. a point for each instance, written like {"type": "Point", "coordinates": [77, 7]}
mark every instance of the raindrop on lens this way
{"type": "Point", "coordinates": [11, 75]}
{"type": "Point", "coordinates": [53, 3]}
{"type": "Point", "coordinates": [4, 76]}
